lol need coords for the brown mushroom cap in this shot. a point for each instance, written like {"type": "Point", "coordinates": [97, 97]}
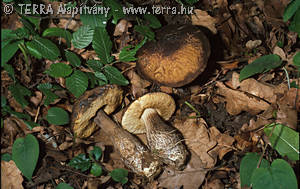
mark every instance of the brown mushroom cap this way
{"type": "Point", "coordinates": [177, 58]}
{"type": "Point", "coordinates": [108, 97]}
{"type": "Point", "coordinates": [163, 103]}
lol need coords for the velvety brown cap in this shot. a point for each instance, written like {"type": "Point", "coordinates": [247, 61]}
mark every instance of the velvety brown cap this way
{"type": "Point", "coordinates": [178, 56]}
{"type": "Point", "coordinates": [108, 97]}
{"type": "Point", "coordinates": [163, 103]}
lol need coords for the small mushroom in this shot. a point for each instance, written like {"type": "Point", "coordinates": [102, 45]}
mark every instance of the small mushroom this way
{"type": "Point", "coordinates": [108, 97]}
{"type": "Point", "coordinates": [147, 114]}
{"type": "Point", "coordinates": [177, 58]}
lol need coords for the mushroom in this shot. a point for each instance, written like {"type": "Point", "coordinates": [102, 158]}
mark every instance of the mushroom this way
{"type": "Point", "coordinates": [147, 114]}
{"type": "Point", "coordinates": [108, 97]}
{"type": "Point", "coordinates": [134, 153]}
{"type": "Point", "coordinates": [104, 100]}
{"type": "Point", "coordinates": [177, 58]}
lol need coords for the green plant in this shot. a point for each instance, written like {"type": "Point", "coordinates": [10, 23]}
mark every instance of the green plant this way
{"type": "Point", "coordinates": [293, 11]}
{"type": "Point", "coordinates": [25, 153]}
{"type": "Point", "coordinates": [256, 171]}
{"type": "Point", "coordinates": [83, 163]}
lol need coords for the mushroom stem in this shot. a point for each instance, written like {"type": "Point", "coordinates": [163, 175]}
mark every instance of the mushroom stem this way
{"type": "Point", "coordinates": [164, 140]}
{"type": "Point", "coordinates": [133, 153]}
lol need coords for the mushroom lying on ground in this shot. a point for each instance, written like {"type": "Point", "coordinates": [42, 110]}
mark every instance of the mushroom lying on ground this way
{"type": "Point", "coordinates": [147, 114]}
{"type": "Point", "coordinates": [134, 154]}
{"type": "Point", "coordinates": [108, 97]}
{"type": "Point", "coordinates": [104, 100]}
{"type": "Point", "coordinates": [177, 58]}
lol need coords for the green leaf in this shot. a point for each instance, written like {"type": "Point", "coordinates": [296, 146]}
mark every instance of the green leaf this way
{"type": "Point", "coordinates": [63, 186]}
{"type": "Point", "coordinates": [294, 85]}
{"type": "Point", "coordinates": [77, 83]}
{"type": "Point", "coordinates": [285, 140]}
{"type": "Point", "coordinates": [7, 36]}
{"type": "Point", "coordinates": [153, 21]}
{"type": "Point", "coordinates": [30, 124]}
{"type": "Point", "coordinates": [295, 23]}
{"type": "Point", "coordinates": [3, 101]}
{"type": "Point", "coordinates": [296, 59]}
{"type": "Point", "coordinates": [119, 175]}
{"type": "Point", "coordinates": [59, 70]}
{"type": "Point", "coordinates": [127, 55]}
{"type": "Point", "coordinates": [25, 153]}
{"type": "Point", "coordinates": [80, 162]}
{"type": "Point", "coordinates": [10, 70]}
{"type": "Point", "coordinates": [28, 25]}
{"type": "Point", "coordinates": [83, 37]}
{"type": "Point", "coordinates": [115, 76]}
{"type": "Point", "coordinates": [96, 65]}
{"type": "Point", "coordinates": [145, 31]}
{"type": "Point", "coordinates": [260, 65]}
{"type": "Point", "coordinates": [95, 20]}
{"type": "Point", "coordinates": [57, 116]}
{"type": "Point", "coordinates": [46, 89]}
{"type": "Point", "coordinates": [247, 167]}
{"type": "Point", "coordinates": [279, 175]}
{"type": "Point", "coordinates": [31, 47]}
{"type": "Point", "coordinates": [58, 32]}
{"type": "Point", "coordinates": [19, 92]}
{"type": "Point", "coordinates": [102, 45]}
{"type": "Point", "coordinates": [45, 47]}
{"type": "Point", "coordinates": [97, 152]}
{"type": "Point", "coordinates": [6, 157]}
{"type": "Point", "coordinates": [73, 58]}
{"type": "Point", "coordinates": [116, 10]}
{"type": "Point", "coordinates": [291, 10]}
{"type": "Point", "coordinates": [101, 76]}
{"type": "Point", "coordinates": [191, 2]}
{"type": "Point", "coordinates": [96, 170]}
{"type": "Point", "coordinates": [9, 50]}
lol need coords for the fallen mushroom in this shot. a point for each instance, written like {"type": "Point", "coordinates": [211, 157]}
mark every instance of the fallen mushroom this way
{"type": "Point", "coordinates": [108, 97]}
{"type": "Point", "coordinates": [177, 58]}
{"type": "Point", "coordinates": [104, 100]}
{"type": "Point", "coordinates": [147, 114]}
{"type": "Point", "coordinates": [134, 154]}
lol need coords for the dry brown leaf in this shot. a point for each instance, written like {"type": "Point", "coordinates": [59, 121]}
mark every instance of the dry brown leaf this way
{"type": "Point", "coordinates": [293, 99]}
{"type": "Point", "coordinates": [122, 27]}
{"type": "Point", "coordinates": [242, 142]}
{"type": "Point", "coordinates": [238, 101]}
{"type": "Point", "coordinates": [190, 178]}
{"type": "Point", "coordinates": [224, 142]}
{"type": "Point", "coordinates": [214, 184]}
{"type": "Point", "coordinates": [11, 177]}
{"type": "Point", "coordinates": [265, 91]}
{"type": "Point", "coordinates": [280, 52]}
{"type": "Point", "coordinates": [202, 18]}
{"type": "Point", "coordinates": [138, 85]}
{"type": "Point", "coordinates": [286, 114]}
{"type": "Point", "coordinates": [197, 138]}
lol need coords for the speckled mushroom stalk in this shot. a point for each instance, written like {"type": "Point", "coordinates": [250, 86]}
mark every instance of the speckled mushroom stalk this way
{"type": "Point", "coordinates": [147, 115]}
{"type": "Point", "coordinates": [164, 140]}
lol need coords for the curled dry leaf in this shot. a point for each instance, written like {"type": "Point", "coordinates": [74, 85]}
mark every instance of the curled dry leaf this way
{"type": "Point", "coordinates": [224, 142]}
{"type": "Point", "coordinates": [202, 18]}
{"type": "Point", "coordinates": [138, 85]}
{"type": "Point", "coordinates": [238, 101]}
{"type": "Point", "coordinates": [286, 114]}
{"type": "Point", "coordinates": [122, 27]}
{"type": "Point", "coordinates": [10, 175]}
{"type": "Point", "coordinates": [191, 177]}
{"type": "Point", "coordinates": [214, 184]}
{"type": "Point", "coordinates": [293, 99]}
{"type": "Point", "coordinates": [197, 138]}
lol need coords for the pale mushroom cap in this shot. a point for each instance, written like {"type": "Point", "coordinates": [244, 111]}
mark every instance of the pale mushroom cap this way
{"type": "Point", "coordinates": [163, 103]}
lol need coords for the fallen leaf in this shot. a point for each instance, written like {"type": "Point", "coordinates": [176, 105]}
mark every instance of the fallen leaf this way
{"type": "Point", "coordinates": [191, 177]}
{"type": "Point", "coordinates": [11, 177]}
{"type": "Point", "coordinates": [279, 51]}
{"type": "Point", "coordinates": [122, 27]}
{"type": "Point", "coordinates": [265, 91]}
{"type": "Point", "coordinates": [238, 101]}
{"type": "Point", "coordinates": [214, 184]}
{"type": "Point", "coordinates": [138, 85]}
{"type": "Point", "coordinates": [197, 138]}
{"type": "Point", "coordinates": [293, 99]}
{"type": "Point", "coordinates": [202, 18]}
{"type": "Point", "coordinates": [252, 44]}
{"type": "Point", "coordinates": [224, 142]}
